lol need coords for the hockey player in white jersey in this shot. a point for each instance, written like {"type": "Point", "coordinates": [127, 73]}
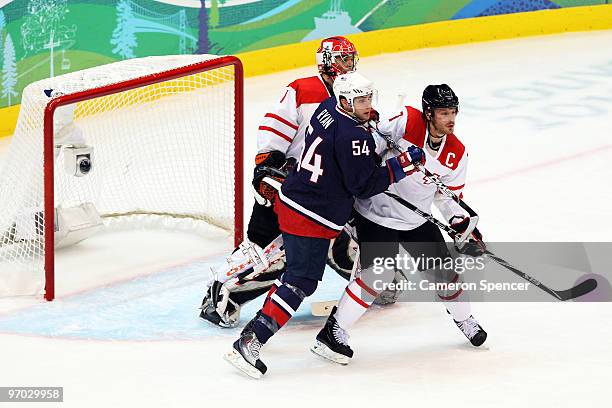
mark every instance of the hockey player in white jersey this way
{"type": "Point", "coordinates": [382, 219]}
{"type": "Point", "coordinates": [253, 267]}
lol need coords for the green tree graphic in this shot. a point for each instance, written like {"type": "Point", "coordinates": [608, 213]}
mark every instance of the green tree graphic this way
{"type": "Point", "coordinates": [9, 70]}
{"type": "Point", "coordinates": [124, 35]}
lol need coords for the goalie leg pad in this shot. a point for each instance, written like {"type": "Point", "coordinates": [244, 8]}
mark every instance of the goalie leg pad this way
{"type": "Point", "coordinates": [222, 303]}
{"type": "Point", "coordinates": [218, 308]}
{"type": "Point", "coordinates": [247, 259]}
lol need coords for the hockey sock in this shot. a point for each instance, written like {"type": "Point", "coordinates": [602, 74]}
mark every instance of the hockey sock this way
{"type": "Point", "coordinates": [456, 301]}
{"type": "Point", "coordinates": [450, 294]}
{"type": "Point", "coordinates": [459, 310]}
{"type": "Point", "coordinates": [355, 300]}
{"type": "Point", "coordinates": [283, 299]}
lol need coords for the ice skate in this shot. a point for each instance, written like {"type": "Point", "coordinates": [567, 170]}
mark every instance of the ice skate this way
{"type": "Point", "coordinates": [245, 356]}
{"type": "Point", "coordinates": [472, 330]}
{"type": "Point", "coordinates": [332, 342]}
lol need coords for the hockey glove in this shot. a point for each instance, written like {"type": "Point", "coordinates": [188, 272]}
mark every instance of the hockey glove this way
{"type": "Point", "coordinates": [404, 164]}
{"type": "Point", "coordinates": [270, 164]}
{"type": "Point", "coordinates": [473, 245]}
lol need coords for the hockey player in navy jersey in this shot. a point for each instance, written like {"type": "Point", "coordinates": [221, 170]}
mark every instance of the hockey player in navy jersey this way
{"type": "Point", "coordinates": [280, 139]}
{"type": "Point", "coordinates": [381, 219]}
{"type": "Point", "coordinates": [337, 164]}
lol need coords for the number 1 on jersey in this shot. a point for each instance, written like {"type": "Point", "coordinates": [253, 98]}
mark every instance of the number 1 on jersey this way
{"type": "Point", "coordinates": [312, 161]}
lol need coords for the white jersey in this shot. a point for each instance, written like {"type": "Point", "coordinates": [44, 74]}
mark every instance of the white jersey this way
{"type": "Point", "coordinates": [283, 128]}
{"type": "Point", "coordinates": [450, 163]}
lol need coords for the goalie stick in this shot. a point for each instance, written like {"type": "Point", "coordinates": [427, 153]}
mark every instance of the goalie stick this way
{"type": "Point", "coordinates": [576, 291]}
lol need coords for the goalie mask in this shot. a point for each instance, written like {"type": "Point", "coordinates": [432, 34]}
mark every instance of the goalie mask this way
{"type": "Point", "coordinates": [336, 56]}
{"type": "Point", "coordinates": [351, 86]}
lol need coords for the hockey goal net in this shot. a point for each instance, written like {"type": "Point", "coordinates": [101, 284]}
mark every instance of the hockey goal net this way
{"type": "Point", "coordinates": [156, 137]}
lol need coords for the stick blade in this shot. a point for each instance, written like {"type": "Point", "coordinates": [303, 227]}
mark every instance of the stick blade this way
{"type": "Point", "coordinates": [581, 289]}
{"type": "Point", "coordinates": [322, 309]}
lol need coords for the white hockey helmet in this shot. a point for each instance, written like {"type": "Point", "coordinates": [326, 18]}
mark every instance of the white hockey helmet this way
{"type": "Point", "coordinates": [353, 85]}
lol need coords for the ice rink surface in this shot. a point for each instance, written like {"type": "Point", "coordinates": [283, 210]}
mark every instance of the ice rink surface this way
{"type": "Point", "coordinates": [535, 117]}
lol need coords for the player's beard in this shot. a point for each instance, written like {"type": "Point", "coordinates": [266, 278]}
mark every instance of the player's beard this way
{"type": "Point", "coordinates": [441, 130]}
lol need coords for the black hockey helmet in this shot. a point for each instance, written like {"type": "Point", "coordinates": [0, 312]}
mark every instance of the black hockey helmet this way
{"type": "Point", "coordinates": [439, 96]}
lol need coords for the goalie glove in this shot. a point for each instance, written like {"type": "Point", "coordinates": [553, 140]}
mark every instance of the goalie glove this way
{"type": "Point", "coordinates": [473, 244]}
{"type": "Point", "coordinates": [269, 165]}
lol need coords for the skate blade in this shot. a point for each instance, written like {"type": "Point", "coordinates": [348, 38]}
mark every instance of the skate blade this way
{"type": "Point", "coordinates": [322, 350]}
{"type": "Point", "coordinates": [235, 359]}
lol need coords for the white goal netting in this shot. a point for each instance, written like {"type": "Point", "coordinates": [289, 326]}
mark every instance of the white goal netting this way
{"type": "Point", "coordinates": [164, 151]}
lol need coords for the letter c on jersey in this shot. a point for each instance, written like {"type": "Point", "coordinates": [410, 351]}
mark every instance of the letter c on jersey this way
{"type": "Point", "coordinates": [448, 160]}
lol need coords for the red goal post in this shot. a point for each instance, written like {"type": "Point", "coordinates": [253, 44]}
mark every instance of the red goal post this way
{"type": "Point", "coordinates": [176, 78]}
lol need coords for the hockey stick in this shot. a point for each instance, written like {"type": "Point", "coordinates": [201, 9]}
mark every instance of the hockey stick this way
{"type": "Point", "coordinates": [322, 309]}
{"type": "Point", "coordinates": [443, 188]}
{"type": "Point", "coordinates": [432, 178]}
{"type": "Point", "coordinates": [579, 290]}
{"type": "Point", "coordinates": [576, 291]}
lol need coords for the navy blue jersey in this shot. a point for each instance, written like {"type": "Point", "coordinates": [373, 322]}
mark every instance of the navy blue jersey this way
{"type": "Point", "coordinates": [337, 164]}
